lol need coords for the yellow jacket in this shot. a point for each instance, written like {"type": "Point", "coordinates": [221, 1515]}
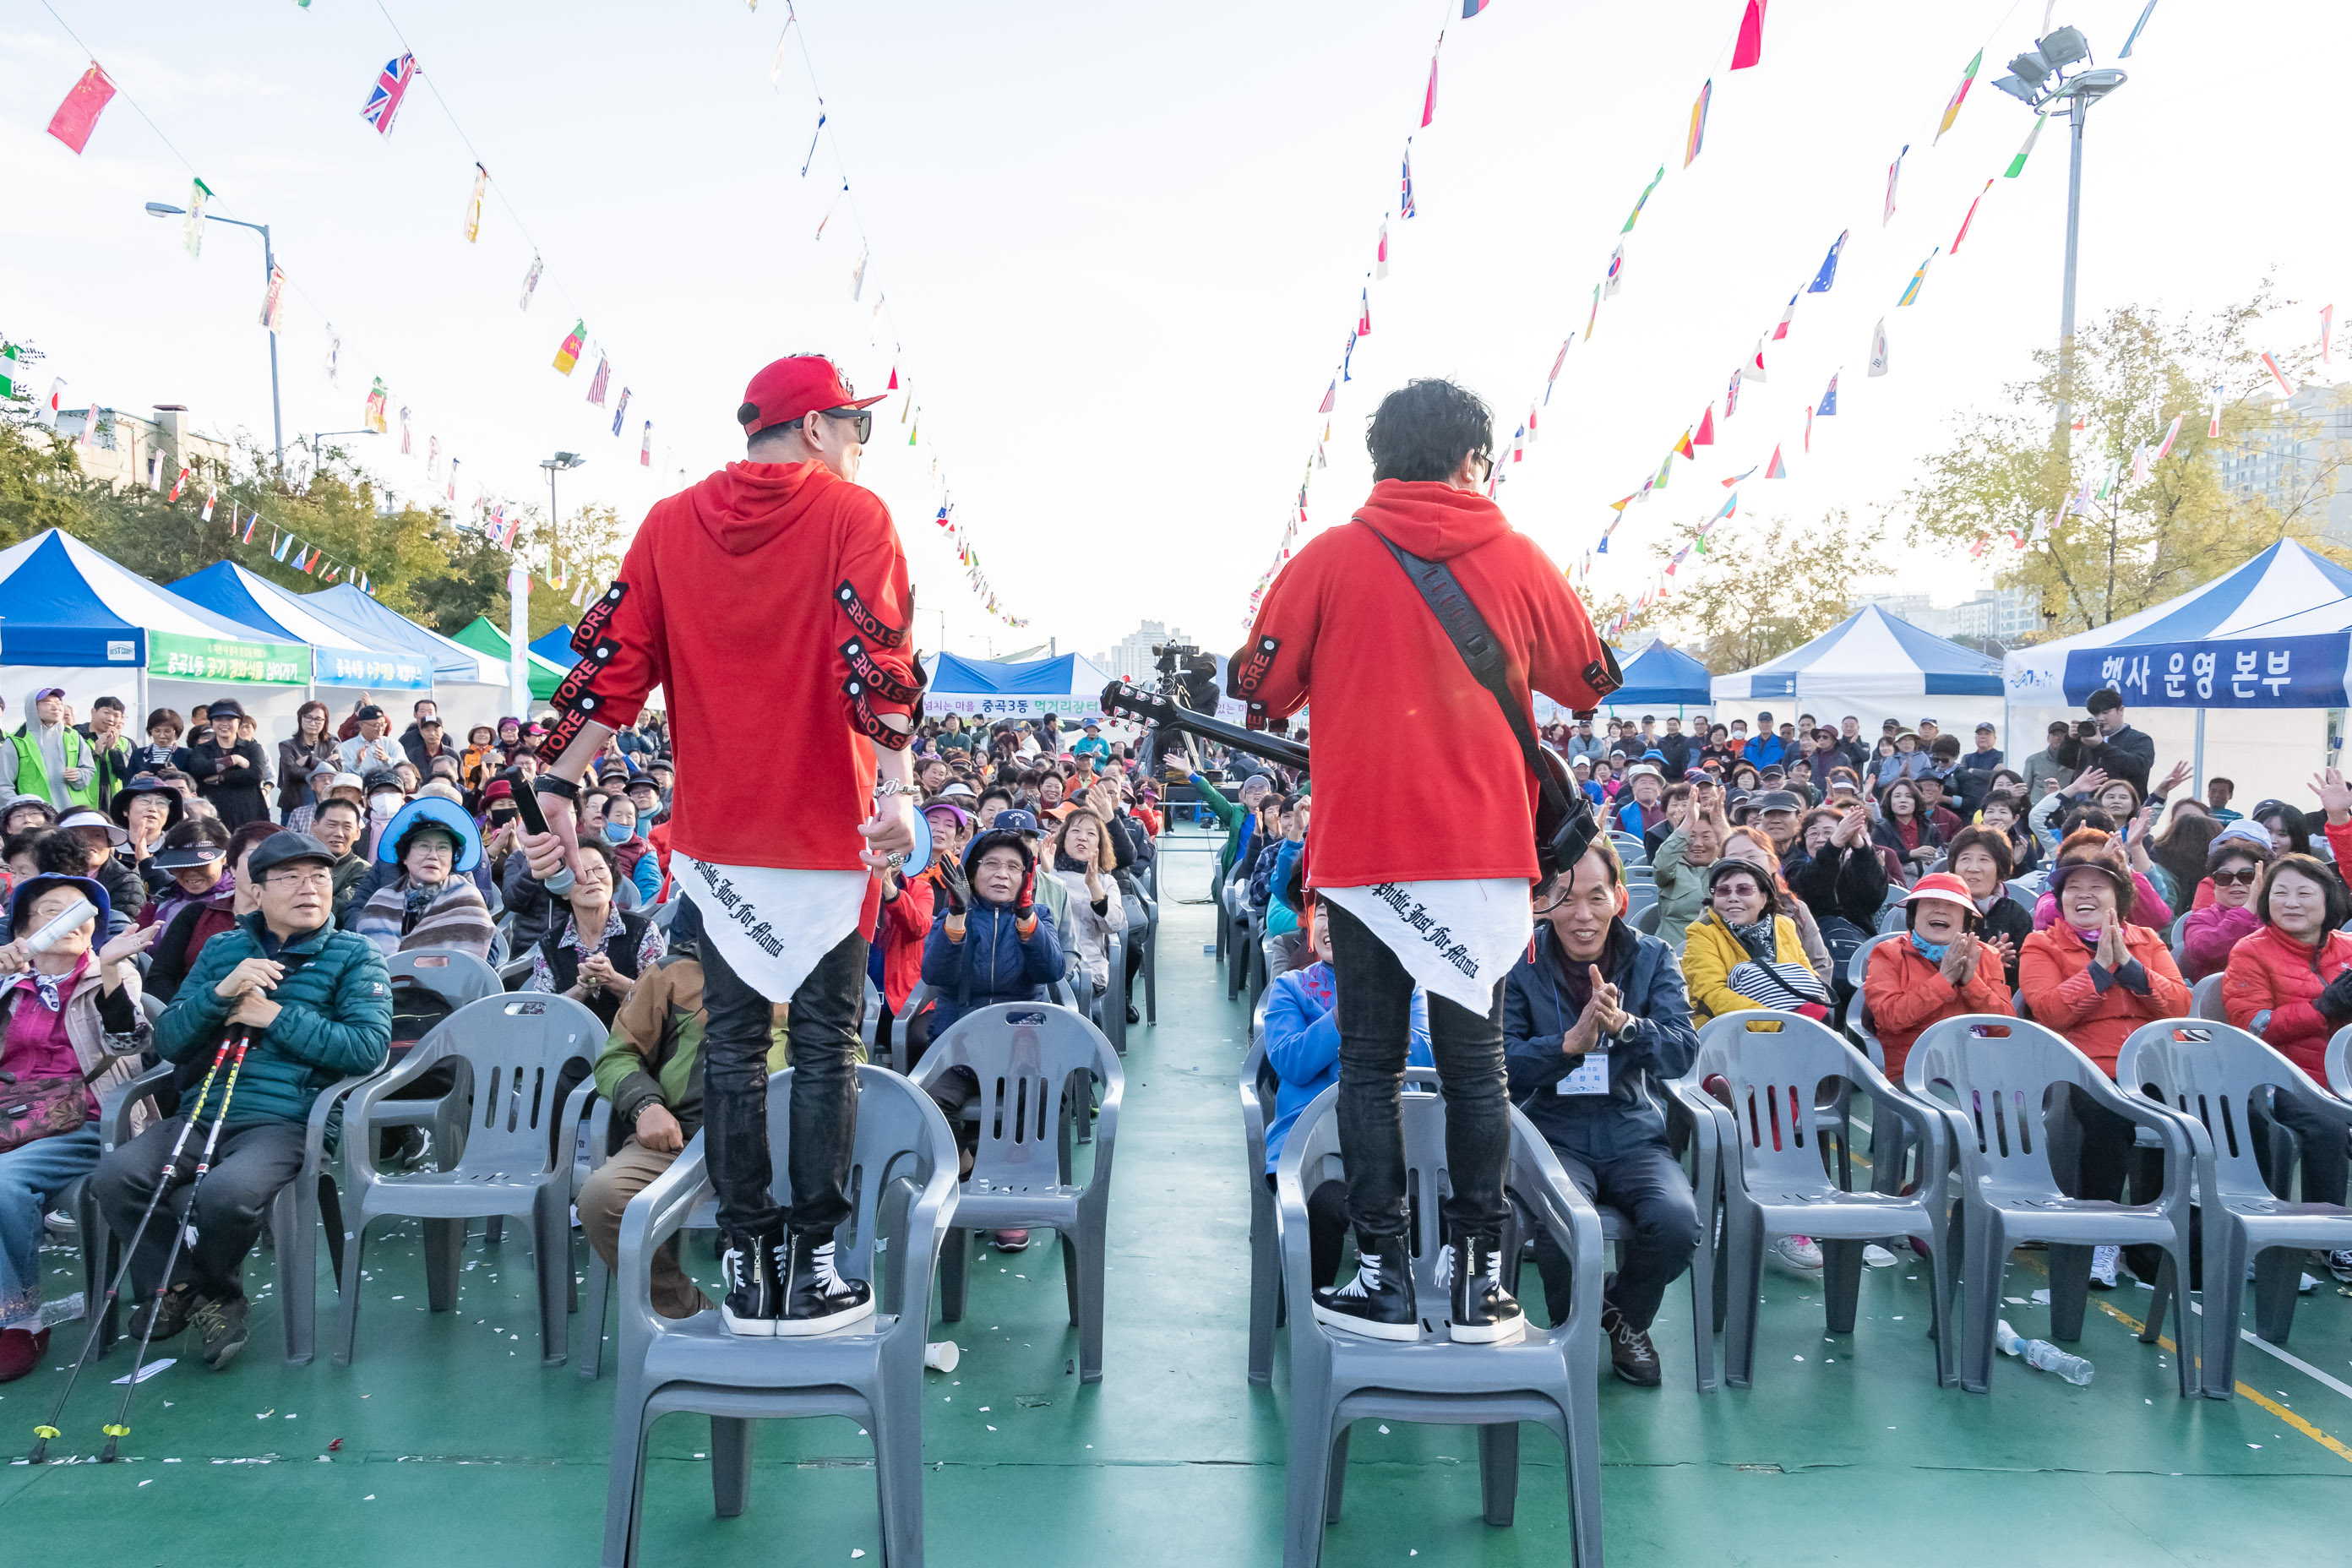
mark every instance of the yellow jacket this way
{"type": "Point", "coordinates": [1710, 953]}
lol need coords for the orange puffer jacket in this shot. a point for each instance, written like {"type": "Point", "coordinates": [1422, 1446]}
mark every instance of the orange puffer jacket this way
{"type": "Point", "coordinates": [2054, 980]}
{"type": "Point", "coordinates": [2271, 988]}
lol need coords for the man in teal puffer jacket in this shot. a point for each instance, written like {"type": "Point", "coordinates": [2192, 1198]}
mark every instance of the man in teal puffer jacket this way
{"type": "Point", "coordinates": [317, 1004]}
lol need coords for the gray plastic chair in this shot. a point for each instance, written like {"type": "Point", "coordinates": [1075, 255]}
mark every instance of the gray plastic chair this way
{"type": "Point", "coordinates": [2212, 1073]}
{"type": "Point", "coordinates": [458, 979]}
{"type": "Point", "coordinates": [1150, 972]}
{"type": "Point", "coordinates": [1550, 1375]}
{"type": "Point", "coordinates": [301, 1207]}
{"type": "Point", "coordinates": [513, 1048]}
{"type": "Point", "coordinates": [2000, 1074]}
{"type": "Point", "coordinates": [2205, 1000]}
{"type": "Point", "coordinates": [100, 1257]}
{"type": "Point", "coordinates": [1646, 920]}
{"type": "Point", "coordinates": [2338, 1062]}
{"type": "Point", "coordinates": [1780, 1185]}
{"type": "Point", "coordinates": [1259, 1086]}
{"type": "Point", "coordinates": [1032, 1062]}
{"type": "Point", "coordinates": [903, 1193]}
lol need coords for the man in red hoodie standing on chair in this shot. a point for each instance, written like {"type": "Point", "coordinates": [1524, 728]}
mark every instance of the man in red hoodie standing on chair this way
{"type": "Point", "coordinates": [1427, 879]}
{"type": "Point", "coordinates": [779, 576]}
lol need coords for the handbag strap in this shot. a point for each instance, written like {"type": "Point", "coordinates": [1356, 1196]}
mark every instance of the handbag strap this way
{"type": "Point", "coordinates": [1467, 628]}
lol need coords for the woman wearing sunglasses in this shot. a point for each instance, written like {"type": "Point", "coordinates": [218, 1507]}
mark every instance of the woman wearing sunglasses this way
{"type": "Point", "coordinates": [2224, 915]}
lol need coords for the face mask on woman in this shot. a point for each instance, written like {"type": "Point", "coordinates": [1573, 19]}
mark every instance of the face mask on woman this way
{"type": "Point", "coordinates": [387, 804]}
{"type": "Point", "coordinates": [617, 833]}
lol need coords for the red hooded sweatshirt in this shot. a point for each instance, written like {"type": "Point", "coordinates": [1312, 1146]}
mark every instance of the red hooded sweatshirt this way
{"type": "Point", "coordinates": [770, 603]}
{"type": "Point", "coordinates": [1417, 775]}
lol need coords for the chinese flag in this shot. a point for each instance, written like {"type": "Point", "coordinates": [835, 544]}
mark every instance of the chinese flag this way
{"type": "Point", "coordinates": [77, 117]}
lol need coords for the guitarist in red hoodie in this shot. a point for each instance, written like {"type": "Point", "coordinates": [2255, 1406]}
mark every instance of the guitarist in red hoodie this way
{"type": "Point", "coordinates": [1427, 881]}
{"type": "Point", "coordinates": [778, 575]}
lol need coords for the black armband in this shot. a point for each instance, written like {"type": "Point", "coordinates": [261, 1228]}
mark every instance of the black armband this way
{"type": "Point", "coordinates": [551, 783]}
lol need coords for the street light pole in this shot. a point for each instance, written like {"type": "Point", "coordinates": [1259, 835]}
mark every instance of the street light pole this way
{"type": "Point", "coordinates": [2080, 94]}
{"type": "Point", "coordinates": [2038, 80]}
{"type": "Point", "coordinates": [268, 272]}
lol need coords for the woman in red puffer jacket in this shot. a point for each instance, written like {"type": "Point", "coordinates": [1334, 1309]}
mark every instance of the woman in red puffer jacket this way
{"type": "Point", "coordinates": [2287, 982]}
{"type": "Point", "coordinates": [2291, 983]}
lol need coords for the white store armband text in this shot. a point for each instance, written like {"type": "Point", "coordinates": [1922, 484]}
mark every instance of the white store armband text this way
{"type": "Point", "coordinates": [1591, 1077]}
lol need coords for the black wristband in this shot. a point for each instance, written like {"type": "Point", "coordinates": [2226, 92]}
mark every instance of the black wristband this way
{"type": "Point", "coordinates": [549, 784]}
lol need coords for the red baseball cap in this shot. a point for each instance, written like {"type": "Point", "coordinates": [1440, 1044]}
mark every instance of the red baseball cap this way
{"type": "Point", "coordinates": [794, 388]}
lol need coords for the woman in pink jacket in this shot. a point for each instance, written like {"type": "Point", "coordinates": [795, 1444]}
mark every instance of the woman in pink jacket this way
{"type": "Point", "coordinates": [2225, 916]}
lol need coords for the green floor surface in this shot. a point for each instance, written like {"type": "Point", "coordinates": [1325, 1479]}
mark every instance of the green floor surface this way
{"type": "Point", "coordinates": [448, 1441]}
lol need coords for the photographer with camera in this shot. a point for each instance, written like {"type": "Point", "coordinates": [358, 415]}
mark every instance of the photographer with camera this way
{"type": "Point", "coordinates": [1426, 878]}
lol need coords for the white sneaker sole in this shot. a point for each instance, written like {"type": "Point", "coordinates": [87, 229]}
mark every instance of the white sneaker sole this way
{"type": "Point", "coordinates": [830, 1323]}
{"type": "Point", "coordinates": [1366, 1328]}
{"type": "Point", "coordinates": [1504, 1333]}
{"type": "Point", "coordinates": [747, 1327]}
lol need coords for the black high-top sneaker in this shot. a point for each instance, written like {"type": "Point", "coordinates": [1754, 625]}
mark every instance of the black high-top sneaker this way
{"type": "Point", "coordinates": [1378, 1301]}
{"type": "Point", "coordinates": [1481, 1311]}
{"type": "Point", "coordinates": [816, 1300]}
{"type": "Point", "coordinates": [751, 1265]}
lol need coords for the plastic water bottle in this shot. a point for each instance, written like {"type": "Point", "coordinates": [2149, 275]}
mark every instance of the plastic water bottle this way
{"type": "Point", "coordinates": [2049, 1358]}
{"type": "Point", "coordinates": [2042, 1355]}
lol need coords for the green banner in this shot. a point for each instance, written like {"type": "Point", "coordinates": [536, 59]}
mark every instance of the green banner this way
{"type": "Point", "coordinates": [179, 658]}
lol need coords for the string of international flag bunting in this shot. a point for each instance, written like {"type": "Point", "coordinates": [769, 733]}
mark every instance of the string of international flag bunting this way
{"type": "Point", "coordinates": [501, 520]}
{"type": "Point", "coordinates": [1746, 48]}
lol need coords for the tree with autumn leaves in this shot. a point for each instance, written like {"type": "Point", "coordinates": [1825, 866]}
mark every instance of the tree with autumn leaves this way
{"type": "Point", "coordinates": [2124, 545]}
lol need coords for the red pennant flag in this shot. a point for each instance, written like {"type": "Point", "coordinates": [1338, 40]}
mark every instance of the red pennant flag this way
{"type": "Point", "coordinates": [77, 117]}
{"type": "Point", "coordinates": [894, 380]}
{"type": "Point", "coordinates": [1970, 219]}
{"type": "Point", "coordinates": [1429, 101]}
{"type": "Point", "coordinates": [1779, 470]}
{"type": "Point", "coordinates": [1706, 437]}
{"type": "Point", "coordinates": [1750, 46]}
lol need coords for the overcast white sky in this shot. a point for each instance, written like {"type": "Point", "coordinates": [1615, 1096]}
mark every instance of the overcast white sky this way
{"type": "Point", "coordinates": [1121, 245]}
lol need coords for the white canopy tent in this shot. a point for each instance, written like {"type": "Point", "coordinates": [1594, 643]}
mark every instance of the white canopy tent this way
{"type": "Point", "coordinates": [1874, 667]}
{"type": "Point", "coordinates": [2247, 674]}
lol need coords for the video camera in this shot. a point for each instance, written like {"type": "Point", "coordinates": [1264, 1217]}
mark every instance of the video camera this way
{"type": "Point", "coordinates": [1187, 676]}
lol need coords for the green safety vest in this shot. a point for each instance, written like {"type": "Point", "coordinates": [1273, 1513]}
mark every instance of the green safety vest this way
{"type": "Point", "coordinates": [33, 768]}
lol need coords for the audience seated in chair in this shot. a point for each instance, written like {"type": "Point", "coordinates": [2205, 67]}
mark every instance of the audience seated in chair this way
{"type": "Point", "coordinates": [1594, 1016]}
{"type": "Point", "coordinates": [2291, 985]}
{"type": "Point", "coordinates": [433, 901]}
{"type": "Point", "coordinates": [1745, 950]}
{"type": "Point", "coordinates": [317, 1004]}
{"type": "Point", "coordinates": [2094, 977]}
{"type": "Point", "coordinates": [1946, 966]}
{"type": "Point", "coordinates": [2224, 913]}
{"type": "Point", "coordinates": [1979, 858]}
{"type": "Point", "coordinates": [63, 1014]}
{"type": "Point", "coordinates": [596, 953]}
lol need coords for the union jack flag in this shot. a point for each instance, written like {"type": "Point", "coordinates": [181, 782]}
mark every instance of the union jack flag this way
{"type": "Point", "coordinates": [391, 87]}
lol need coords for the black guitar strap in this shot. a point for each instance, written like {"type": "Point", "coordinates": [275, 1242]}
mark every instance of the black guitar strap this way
{"type": "Point", "coordinates": [1467, 628]}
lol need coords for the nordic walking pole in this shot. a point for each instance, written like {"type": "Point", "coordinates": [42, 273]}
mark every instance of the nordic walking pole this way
{"type": "Point", "coordinates": [96, 1311]}
{"type": "Point", "coordinates": [119, 1428]}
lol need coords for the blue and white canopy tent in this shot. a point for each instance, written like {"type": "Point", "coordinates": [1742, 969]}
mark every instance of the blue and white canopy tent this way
{"type": "Point", "coordinates": [1660, 678]}
{"type": "Point", "coordinates": [336, 660]}
{"type": "Point", "coordinates": [987, 691]}
{"type": "Point", "coordinates": [71, 617]}
{"type": "Point", "coordinates": [2252, 667]}
{"type": "Point", "coordinates": [1874, 667]}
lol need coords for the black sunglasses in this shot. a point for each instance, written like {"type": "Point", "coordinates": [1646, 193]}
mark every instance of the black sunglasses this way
{"type": "Point", "coordinates": [862, 418]}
